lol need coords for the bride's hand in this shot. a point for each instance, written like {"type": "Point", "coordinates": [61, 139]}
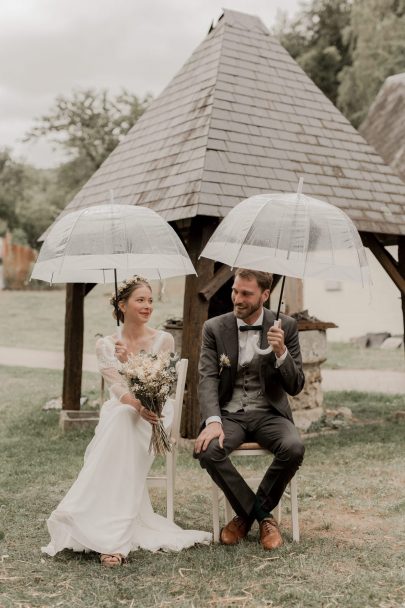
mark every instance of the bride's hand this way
{"type": "Point", "coordinates": [147, 415]}
{"type": "Point", "coordinates": [121, 351]}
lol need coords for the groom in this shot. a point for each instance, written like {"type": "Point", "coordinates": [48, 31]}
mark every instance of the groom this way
{"type": "Point", "coordinates": [243, 397]}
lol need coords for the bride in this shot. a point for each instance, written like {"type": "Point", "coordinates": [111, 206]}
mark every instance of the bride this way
{"type": "Point", "coordinates": [108, 509]}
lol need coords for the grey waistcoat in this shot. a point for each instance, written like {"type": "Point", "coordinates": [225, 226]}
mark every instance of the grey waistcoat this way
{"type": "Point", "coordinates": [247, 393]}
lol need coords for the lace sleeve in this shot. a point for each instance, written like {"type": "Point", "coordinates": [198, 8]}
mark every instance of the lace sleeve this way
{"type": "Point", "coordinates": [109, 367]}
{"type": "Point", "coordinates": [166, 342]}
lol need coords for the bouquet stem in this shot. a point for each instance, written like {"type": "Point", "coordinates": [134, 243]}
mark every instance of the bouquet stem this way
{"type": "Point", "coordinates": [159, 442]}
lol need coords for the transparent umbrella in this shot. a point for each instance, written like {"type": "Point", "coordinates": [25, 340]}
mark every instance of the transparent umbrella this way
{"type": "Point", "coordinates": [109, 243]}
{"type": "Point", "coordinates": [290, 235]}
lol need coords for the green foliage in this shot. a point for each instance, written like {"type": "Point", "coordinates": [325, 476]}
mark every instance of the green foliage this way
{"type": "Point", "coordinates": [26, 205]}
{"type": "Point", "coordinates": [88, 125]}
{"type": "Point", "coordinates": [348, 48]}
{"type": "Point", "coordinates": [377, 38]}
{"type": "Point", "coordinates": [12, 187]}
{"type": "Point", "coordinates": [316, 40]}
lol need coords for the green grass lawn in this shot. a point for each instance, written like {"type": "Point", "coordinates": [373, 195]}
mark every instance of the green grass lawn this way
{"type": "Point", "coordinates": [347, 355]}
{"type": "Point", "coordinates": [352, 519]}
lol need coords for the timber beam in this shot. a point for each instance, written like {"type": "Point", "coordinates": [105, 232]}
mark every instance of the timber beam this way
{"type": "Point", "coordinates": [390, 265]}
{"type": "Point", "coordinates": [220, 278]}
{"type": "Point", "coordinates": [401, 267]}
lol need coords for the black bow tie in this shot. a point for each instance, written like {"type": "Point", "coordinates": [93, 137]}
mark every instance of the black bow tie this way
{"type": "Point", "coordinates": [250, 327]}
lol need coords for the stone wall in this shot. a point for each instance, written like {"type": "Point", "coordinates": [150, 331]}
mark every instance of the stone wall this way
{"type": "Point", "coordinates": [308, 407]}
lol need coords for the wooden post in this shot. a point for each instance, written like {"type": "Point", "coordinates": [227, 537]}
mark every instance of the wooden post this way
{"type": "Point", "coordinates": [74, 325]}
{"type": "Point", "coordinates": [401, 269]}
{"type": "Point", "coordinates": [293, 295]}
{"type": "Point", "coordinates": [195, 312]}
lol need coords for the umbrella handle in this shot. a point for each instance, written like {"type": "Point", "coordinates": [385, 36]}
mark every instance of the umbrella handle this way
{"type": "Point", "coordinates": [269, 349]}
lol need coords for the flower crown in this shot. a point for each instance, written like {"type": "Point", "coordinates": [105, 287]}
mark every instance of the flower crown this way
{"type": "Point", "coordinates": [125, 287]}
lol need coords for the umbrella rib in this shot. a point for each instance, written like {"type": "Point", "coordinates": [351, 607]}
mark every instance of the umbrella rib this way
{"type": "Point", "coordinates": [354, 231]}
{"type": "Point", "coordinates": [70, 234]}
{"type": "Point", "coordinates": [175, 245]}
{"type": "Point", "coordinates": [242, 241]}
{"type": "Point", "coordinates": [331, 248]}
{"type": "Point", "coordinates": [308, 229]}
{"type": "Point", "coordinates": [126, 244]}
{"type": "Point", "coordinates": [148, 239]}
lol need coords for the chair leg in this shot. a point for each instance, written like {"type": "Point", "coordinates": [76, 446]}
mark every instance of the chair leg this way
{"type": "Point", "coordinates": [294, 510]}
{"type": "Point", "coordinates": [215, 511]}
{"type": "Point", "coordinates": [170, 482]}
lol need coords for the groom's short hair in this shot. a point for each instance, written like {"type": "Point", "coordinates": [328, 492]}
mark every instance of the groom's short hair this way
{"type": "Point", "coordinates": [264, 279]}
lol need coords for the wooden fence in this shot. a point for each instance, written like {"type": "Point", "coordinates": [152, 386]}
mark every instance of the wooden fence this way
{"type": "Point", "coordinates": [17, 264]}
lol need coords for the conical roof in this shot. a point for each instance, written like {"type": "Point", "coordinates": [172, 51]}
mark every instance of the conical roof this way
{"type": "Point", "coordinates": [242, 118]}
{"type": "Point", "coordinates": [384, 126]}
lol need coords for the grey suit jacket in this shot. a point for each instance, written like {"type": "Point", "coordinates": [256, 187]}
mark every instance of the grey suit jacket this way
{"type": "Point", "coordinates": [220, 336]}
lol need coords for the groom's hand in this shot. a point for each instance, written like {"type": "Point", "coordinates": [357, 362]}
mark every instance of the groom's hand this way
{"type": "Point", "coordinates": [275, 338]}
{"type": "Point", "coordinates": [211, 431]}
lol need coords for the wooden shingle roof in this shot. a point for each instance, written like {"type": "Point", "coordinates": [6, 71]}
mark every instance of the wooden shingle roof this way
{"type": "Point", "coordinates": [384, 126]}
{"type": "Point", "coordinates": [242, 118]}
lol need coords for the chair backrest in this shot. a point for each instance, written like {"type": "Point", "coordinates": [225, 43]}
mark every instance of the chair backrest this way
{"type": "Point", "coordinates": [178, 400]}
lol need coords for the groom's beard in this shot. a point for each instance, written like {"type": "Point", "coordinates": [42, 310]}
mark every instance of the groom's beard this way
{"type": "Point", "coordinates": [243, 311]}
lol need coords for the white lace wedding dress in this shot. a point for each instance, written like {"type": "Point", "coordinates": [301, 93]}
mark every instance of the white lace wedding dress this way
{"type": "Point", "coordinates": [108, 509]}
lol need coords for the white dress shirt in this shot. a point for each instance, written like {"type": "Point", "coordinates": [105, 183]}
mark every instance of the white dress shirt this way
{"type": "Point", "coordinates": [246, 341]}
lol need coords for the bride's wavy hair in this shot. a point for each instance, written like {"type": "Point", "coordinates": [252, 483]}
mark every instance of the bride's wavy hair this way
{"type": "Point", "coordinates": [124, 291]}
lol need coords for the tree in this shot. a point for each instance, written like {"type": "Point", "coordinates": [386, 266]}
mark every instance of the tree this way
{"type": "Point", "coordinates": [88, 125]}
{"type": "Point", "coordinates": [316, 40]}
{"type": "Point", "coordinates": [377, 38]}
{"type": "Point", "coordinates": [38, 207]}
{"type": "Point", "coordinates": [348, 48]}
{"type": "Point", "coordinates": [12, 185]}
{"type": "Point", "coordinates": [28, 199]}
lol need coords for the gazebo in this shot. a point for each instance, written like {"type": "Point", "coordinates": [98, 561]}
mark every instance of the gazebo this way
{"type": "Point", "coordinates": [240, 118]}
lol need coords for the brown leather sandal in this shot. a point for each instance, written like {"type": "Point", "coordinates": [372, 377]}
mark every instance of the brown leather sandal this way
{"type": "Point", "coordinates": [110, 560]}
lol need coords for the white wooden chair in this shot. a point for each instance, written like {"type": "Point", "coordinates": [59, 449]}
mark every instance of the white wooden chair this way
{"type": "Point", "coordinates": [254, 449]}
{"type": "Point", "coordinates": [168, 479]}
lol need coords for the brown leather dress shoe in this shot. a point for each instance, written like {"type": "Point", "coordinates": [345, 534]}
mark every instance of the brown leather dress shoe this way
{"type": "Point", "coordinates": [270, 535]}
{"type": "Point", "coordinates": [234, 531]}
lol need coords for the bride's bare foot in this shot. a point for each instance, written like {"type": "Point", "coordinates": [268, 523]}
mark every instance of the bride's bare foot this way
{"type": "Point", "coordinates": [111, 559]}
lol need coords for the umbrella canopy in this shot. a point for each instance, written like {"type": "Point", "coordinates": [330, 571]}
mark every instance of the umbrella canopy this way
{"type": "Point", "coordinates": [103, 243]}
{"type": "Point", "coordinates": [290, 234]}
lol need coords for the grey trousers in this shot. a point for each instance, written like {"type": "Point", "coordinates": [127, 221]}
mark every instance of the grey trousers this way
{"type": "Point", "coordinates": [272, 431]}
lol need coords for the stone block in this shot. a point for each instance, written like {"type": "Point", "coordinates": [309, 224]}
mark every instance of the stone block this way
{"type": "Point", "coordinates": [313, 346]}
{"type": "Point", "coordinates": [304, 418]}
{"type": "Point", "coordinates": [392, 343]}
{"type": "Point", "coordinates": [78, 419]}
{"type": "Point", "coordinates": [373, 340]}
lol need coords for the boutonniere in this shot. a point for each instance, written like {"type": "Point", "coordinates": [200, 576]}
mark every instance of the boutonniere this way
{"type": "Point", "coordinates": [224, 361]}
